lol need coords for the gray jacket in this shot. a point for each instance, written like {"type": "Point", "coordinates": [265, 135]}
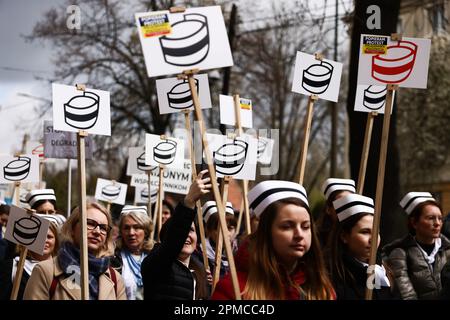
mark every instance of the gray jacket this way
{"type": "Point", "coordinates": [415, 278]}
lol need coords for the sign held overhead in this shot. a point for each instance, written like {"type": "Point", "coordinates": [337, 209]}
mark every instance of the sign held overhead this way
{"type": "Point", "coordinates": [195, 39]}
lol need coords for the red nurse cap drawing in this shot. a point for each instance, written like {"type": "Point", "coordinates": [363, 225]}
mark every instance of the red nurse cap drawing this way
{"type": "Point", "coordinates": [397, 65]}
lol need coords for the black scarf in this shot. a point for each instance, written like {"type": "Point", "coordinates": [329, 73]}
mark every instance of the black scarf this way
{"type": "Point", "coordinates": [69, 261]}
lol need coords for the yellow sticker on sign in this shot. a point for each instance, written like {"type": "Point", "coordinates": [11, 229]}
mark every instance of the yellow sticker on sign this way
{"type": "Point", "coordinates": [374, 44]}
{"type": "Point", "coordinates": [155, 25]}
{"type": "Point", "coordinates": [246, 104]}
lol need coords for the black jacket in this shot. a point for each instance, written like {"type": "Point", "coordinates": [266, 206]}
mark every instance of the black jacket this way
{"type": "Point", "coordinates": [6, 284]}
{"type": "Point", "coordinates": [164, 277]}
{"type": "Point", "coordinates": [354, 289]}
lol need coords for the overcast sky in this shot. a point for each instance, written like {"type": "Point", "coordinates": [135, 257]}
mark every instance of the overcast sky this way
{"type": "Point", "coordinates": [20, 63]}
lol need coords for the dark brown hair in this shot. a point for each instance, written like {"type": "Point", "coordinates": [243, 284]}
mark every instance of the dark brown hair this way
{"type": "Point", "coordinates": [266, 279]}
{"type": "Point", "coordinates": [213, 222]}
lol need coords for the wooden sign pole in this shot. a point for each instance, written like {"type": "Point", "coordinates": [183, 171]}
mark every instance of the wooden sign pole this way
{"type": "Point", "coordinates": [306, 133]}
{"type": "Point", "coordinates": [365, 152]}
{"type": "Point", "coordinates": [160, 198]}
{"type": "Point", "coordinates": [201, 227]}
{"type": "Point", "coordinates": [41, 173]}
{"type": "Point", "coordinates": [149, 203]}
{"type": "Point", "coordinates": [215, 188]}
{"type": "Point", "coordinates": [69, 186]}
{"type": "Point", "coordinates": [237, 113]}
{"type": "Point", "coordinates": [380, 182]}
{"type": "Point", "coordinates": [155, 213]}
{"type": "Point", "coordinates": [221, 237]}
{"type": "Point", "coordinates": [19, 272]}
{"type": "Point", "coordinates": [16, 193]}
{"type": "Point", "coordinates": [83, 223]}
{"type": "Point", "coordinates": [241, 212]}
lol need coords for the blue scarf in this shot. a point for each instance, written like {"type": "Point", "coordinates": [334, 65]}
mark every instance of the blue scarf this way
{"type": "Point", "coordinates": [135, 266]}
{"type": "Point", "coordinates": [69, 261]}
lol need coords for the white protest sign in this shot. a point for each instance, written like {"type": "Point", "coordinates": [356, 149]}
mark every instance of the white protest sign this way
{"type": "Point", "coordinates": [227, 113]}
{"type": "Point", "coordinates": [175, 42]}
{"type": "Point", "coordinates": [36, 148]}
{"type": "Point", "coordinates": [319, 77]}
{"type": "Point", "coordinates": [383, 61]}
{"type": "Point", "coordinates": [136, 161]}
{"type": "Point", "coordinates": [27, 229]}
{"type": "Point", "coordinates": [63, 144]}
{"type": "Point", "coordinates": [110, 191]}
{"type": "Point", "coordinates": [265, 150]}
{"type": "Point", "coordinates": [75, 110]}
{"type": "Point", "coordinates": [174, 95]}
{"type": "Point", "coordinates": [234, 157]}
{"type": "Point", "coordinates": [141, 195]}
{"type": "Point", "coordinates": [24, 168]}
{"type": "Point", "coordinates": [168, 151]}
{"type": "Point", "coordinates": [370, 98]}
{"type": "Point", "coordinates": [175, 180]}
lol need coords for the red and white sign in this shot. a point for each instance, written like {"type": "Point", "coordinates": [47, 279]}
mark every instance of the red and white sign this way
{"type": "Point", "coordinates": [405, 63]}
{"type": "Point", "coordinates": [36, 148]}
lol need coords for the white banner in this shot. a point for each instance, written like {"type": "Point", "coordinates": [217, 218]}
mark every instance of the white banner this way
{"type": "Point", "coordinates": [175, 180]}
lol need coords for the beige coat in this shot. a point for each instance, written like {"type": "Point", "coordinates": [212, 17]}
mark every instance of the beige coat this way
{"type": "Point", "coordinates": [38, 285]}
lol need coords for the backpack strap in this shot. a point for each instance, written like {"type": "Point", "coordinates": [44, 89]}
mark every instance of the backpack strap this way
{"type": "Point", "coordinates": [113, 278]}
{"type": "Point", "coordinates": [51, 291]}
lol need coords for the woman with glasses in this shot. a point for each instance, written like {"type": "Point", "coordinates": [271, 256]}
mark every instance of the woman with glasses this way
{"type": "Point", "coordinates": [418, 259]}
{"type": "Point", "coordinates": [132, 246]}
{"type": "Point", "coordinates": [59, 278]}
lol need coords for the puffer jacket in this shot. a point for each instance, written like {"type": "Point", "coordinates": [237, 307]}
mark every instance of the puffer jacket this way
{"type": "Point", "coordinates": [414, 276]}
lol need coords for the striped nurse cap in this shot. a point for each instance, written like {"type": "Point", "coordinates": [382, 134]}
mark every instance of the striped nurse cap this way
{"type": "Point", "coordinates": [352, 204]}
{"type": "Point", "coordinates": [267, 192]}
{"type": "Point", "coordinates": [333, 184]}
{"type": "Point", "coordinates": [210, 208]}
{"type": "Point", "coordinates": [57, 219]}
{"type": "Point", "coordinates": [412, 199]}
{"type": "Point", "coordinates": [40, 194]}
{"type": "Point", "coordinates": [137, 209]}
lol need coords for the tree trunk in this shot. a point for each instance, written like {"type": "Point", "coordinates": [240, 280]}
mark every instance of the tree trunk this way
{"type": "Point", "coordinates": [390, 228]}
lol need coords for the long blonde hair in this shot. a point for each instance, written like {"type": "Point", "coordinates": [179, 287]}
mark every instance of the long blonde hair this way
{"type": "Point", "coordinates": [267, 279]}
{"type": "Point", "coordinates": [69, 226]}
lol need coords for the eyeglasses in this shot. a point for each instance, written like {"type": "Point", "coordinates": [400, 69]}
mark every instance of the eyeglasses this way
{"type": "Point", "coordinates": [92, 225]}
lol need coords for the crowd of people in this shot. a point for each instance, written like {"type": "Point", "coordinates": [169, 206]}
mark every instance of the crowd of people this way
{"type": "Point", "coordinates": [287, 256]}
